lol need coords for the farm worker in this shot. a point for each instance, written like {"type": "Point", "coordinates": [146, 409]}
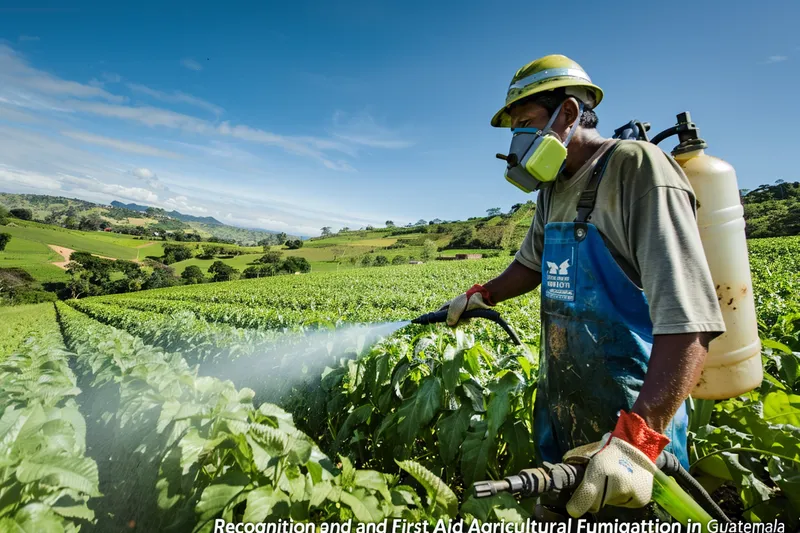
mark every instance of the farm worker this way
{"type": "Point", "coordinates": [628, 306]}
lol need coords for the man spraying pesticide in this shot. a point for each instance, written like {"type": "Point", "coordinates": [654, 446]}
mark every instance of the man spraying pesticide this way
{"type": "Point", "coordinates": [642, 261]}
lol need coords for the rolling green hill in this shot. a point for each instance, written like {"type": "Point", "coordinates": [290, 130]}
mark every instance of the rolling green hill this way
{"type": "Point", "coordinates": [69, 212]}
{"type": "Point", "coordinates": [42, 249]}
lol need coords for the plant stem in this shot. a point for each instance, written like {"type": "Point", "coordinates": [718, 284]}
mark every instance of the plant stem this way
{"type": "Point", "coordinates": [750, 450]}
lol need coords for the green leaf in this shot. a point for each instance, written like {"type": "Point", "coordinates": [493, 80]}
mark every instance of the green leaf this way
{"type": "Point", "coordinates": [451, 431]}
{"type": "Point", "coordinates": [520, 444]}
{"type": "Point", "coordinates": [782, 408]}
{"type": "Point", "coordinates": [372, 479]}
{"type": "Point", "coordinates": [475, 453]}
{"type": "Point", "coordinates": [261, 502]}
{"type": "Point", "coordinates": [418, 410]}
{"type": "Point", "coordinates": [500, 402]}
{"type": "Point", "coordinates": [437, 490]}
{"type": "Point", "coordinates": [451, 368]}
{"type": "Point", "coordinates": [474, 392]}
{"type": "Point", "coordinates": [33, 518]}
{"type": "Point", "coordinates": [354, 419]}
{"type": "Point", "coordinates": [481, 508]}
{"type": "Point", "coordinates": [771, 343]}
{"type": "Point", "coordinates": [365, 507]}
{"type": "Point", "coordinates": [472, 361]}
{"type": "Point", "coordinates": [216, 496]}
{"type": "Point", "coordinates": [78, 473]}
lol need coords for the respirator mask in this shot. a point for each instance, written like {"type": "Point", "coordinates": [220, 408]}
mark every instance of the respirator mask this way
{"type": "Point", "coordinates": [537, 156]}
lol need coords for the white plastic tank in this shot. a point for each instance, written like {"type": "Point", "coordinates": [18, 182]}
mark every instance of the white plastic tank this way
{"type": "Point", "coordinates": [733, 366]}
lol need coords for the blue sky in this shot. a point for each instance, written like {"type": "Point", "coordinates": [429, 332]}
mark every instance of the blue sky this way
{"type": "Point", "coordinates": [295, 115]}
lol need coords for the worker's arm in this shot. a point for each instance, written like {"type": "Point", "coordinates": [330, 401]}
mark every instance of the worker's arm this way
{"type": "Point", "coordinates": [675, 365]}
{"type": "Point", "coordinates": [515, 280]}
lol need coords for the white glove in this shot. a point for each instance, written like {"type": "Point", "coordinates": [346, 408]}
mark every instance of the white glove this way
{"type": "Point", "coordinates": [476, 297]}
{"type": "Point", "coordinates": [618, 473]}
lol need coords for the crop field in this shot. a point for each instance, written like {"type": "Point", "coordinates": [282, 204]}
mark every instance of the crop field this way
{"type": "Point", "coordinates": [263, 399]}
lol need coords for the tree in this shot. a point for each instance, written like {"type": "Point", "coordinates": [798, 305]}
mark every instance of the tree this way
{"type": "Point", "coordinates": [222, 271]}
{"type": "Point", "coordinates": [429, 249]}
{"type": "Point", "coordinates": [344, 229]}
{"type": "Point", "coordinates": [258, 271]}
{"type": "Point", "coordinates": [210, 250]}
{"type": "Point", "coordinates": [176, 252]}
{"type": "Point", "coordinates": [295, 244]}
{"type": "Point", "coordinates": [71, 223]}
{"type": "Point", "coordinates": [162, 276]}
{"type": "Point", "coordinates": [420, 222]}
{"type": "Point", "coordinates": [366, 261]}
{"type": "Point", "coordinates": [326, 231]}
{"type": "Point", "coordinates": [381, 260]}
{"type": "Point", "coordinates": [281, 237]}
{"type": "Point", "coordinates": [3, 215]}
{"type": "Point", "coordinates": [270, 258]}
{"type": "Point", "coordinates": [398, 260]}
{"type": "Point", "coordinates": [22, 214]}
{"type": "Point", "coordinates": [5, 238]}
{"type": "Point", "coordinates": [389, 224]}
{"type": "Point", "coordinates": [294, 264]}
{"type": "Point", "coordinates": [92, 222]}
{"type": "Point", "coordinates": [192, 275]}
{"type": "Point", "coordinates": [493, 212]}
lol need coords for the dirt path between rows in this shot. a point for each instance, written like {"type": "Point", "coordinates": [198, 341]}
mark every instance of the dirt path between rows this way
{"type": "Point", "coordinates": [65, 253]}
{"type": "Point", "coordinates": [151, 243]}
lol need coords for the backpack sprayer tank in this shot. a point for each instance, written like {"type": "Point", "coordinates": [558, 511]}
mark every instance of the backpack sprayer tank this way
{"type": "Point", "coordinates": [733, 365]}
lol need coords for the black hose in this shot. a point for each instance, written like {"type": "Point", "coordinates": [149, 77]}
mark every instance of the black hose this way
{"type": "Point", "coordinates": [671, 466]}
{"type": "Point", "coordinates": [437, 317]}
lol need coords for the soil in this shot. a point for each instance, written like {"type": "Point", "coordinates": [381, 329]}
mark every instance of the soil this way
{"type": "Point", "coordinates": [65, 253]}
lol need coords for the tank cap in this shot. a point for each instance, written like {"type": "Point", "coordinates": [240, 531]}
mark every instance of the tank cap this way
{"type": "Point", "coordinates": [690, 146]}
{"type": "Point", "coordinates": [688, 134]}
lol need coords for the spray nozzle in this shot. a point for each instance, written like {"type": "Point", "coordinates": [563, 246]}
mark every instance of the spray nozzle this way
{"type": "Point", "coordinates": [437, 317]}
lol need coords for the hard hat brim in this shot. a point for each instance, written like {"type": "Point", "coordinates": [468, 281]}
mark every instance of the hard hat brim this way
{"type": "Point", "coordinates": [502, 119]}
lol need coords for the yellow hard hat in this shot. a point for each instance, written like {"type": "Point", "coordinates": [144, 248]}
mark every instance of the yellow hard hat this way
{"type": "Point", "coordinates": [545, 74]}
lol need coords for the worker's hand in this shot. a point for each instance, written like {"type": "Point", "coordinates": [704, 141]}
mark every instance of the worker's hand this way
{"type": "Point", "coordinates": [476, 297]}
{"type": "Point", "coordinates": [620, 467]}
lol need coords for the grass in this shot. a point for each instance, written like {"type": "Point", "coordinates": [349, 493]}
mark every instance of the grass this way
{"type": "Point", "coordinates": [34, 257]}
{"type": "Point", "coordinates": [19, 322]}
{"type": "Point", "coordinates": [99, 243]}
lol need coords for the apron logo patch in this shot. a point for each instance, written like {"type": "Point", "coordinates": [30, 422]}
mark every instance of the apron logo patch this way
{"type": "Point", "coordinates": [560, 282]}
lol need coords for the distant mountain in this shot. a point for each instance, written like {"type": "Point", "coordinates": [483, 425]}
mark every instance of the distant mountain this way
{"type": "Point", "coordinates": [210, 221]}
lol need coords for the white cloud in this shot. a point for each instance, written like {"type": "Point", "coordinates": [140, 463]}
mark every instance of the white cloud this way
{"type": "Point", "coordinates": [149, 116]}
{"type": "Point", "coordinates": [182, 205]}
{"type": "Point", "coordinates": [149, 177]}
{"type": "Point", "coordinates": [110, 77]}
{"type": "Point", "coordinates": [364, 130]}
{"type": "Point", "coordinates": [94, 185]}
{"type": "Point", "coordinates": [176, 97]}
{"type": "Point", "coordinates": [117, 144]}
{"type": "Point", "coordinates": [13, 69]}
{"type": "Point", "coordinates": [776, 59]}
{"type": "Point", "coordinates": [143, 173]}
{"type": "Point", "coordinates": [10, 176]}
{"type": "Point", "coordinates": [28, 38]}
{"type": "Point", "coordinates": [191, 64]}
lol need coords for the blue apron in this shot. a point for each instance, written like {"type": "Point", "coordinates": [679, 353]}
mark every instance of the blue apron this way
{"type": "Point", "coordinates": [596, 339]}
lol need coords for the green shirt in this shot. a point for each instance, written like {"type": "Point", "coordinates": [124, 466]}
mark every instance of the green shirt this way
{"type": "Point", "coordinates": [646, 214]}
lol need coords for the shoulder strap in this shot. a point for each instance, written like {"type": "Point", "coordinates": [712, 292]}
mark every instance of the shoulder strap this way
{"type": "Point", "coordinates": [589, 195]}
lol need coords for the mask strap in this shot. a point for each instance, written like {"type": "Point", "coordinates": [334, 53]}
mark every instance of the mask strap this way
{"type": "Point", "coordinates": [574, 126]}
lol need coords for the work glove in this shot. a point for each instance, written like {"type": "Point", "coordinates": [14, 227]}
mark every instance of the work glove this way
{"type": "Point", "coordinates": [620, 467]}
{"type": "Point", "coordinates": [477, 297]}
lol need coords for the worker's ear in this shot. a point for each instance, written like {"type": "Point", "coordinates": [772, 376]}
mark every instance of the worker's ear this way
{"type": "Point", "coordinates": [570, 112]}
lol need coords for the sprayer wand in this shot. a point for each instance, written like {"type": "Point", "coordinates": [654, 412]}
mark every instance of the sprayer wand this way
{"type": "Point", "coordinates": [489, 314]}
{"type": "Point", "coordinates": [561, 479]}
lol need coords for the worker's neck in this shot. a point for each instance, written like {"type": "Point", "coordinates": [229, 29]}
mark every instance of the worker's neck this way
{"type": "Point", "coordinates": [583, 146]}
